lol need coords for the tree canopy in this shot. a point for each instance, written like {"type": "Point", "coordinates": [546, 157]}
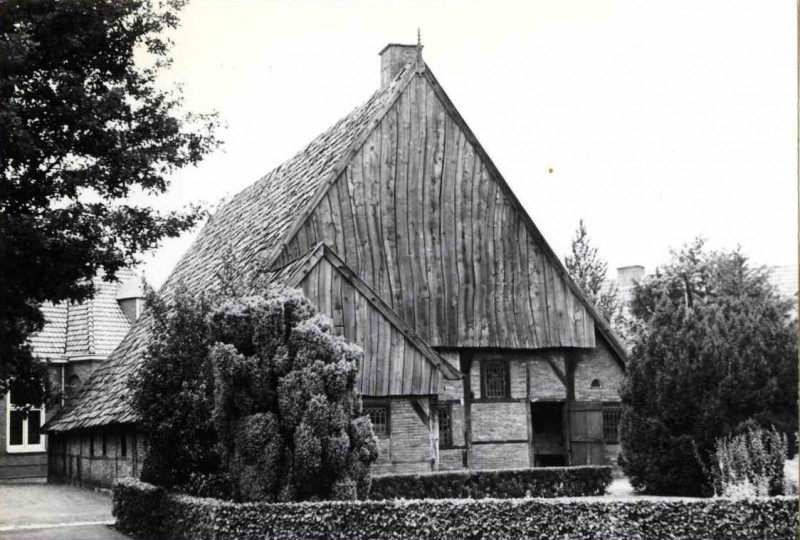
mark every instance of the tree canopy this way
{"type": "Point", "coordinates": [590, 273]}
{"type": "Point", "coordinates": [85, 125]}
{"type": "Point", "coordinates": [714, 350]}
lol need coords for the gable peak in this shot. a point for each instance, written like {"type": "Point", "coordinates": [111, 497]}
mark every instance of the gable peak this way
{"type": "Point", "coordinates": [396, 56]}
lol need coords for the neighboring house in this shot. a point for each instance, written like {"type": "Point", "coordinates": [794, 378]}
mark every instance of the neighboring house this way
{"type": "Point", "coordinates": [479, 350]}
{"type": "Point", "coordinates": [74, 340]}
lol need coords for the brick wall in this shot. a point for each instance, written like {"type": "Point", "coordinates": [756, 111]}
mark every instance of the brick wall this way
{"type": "Point", "coordinates": [408, 448]}
{"type": "Point", "coordinates": [500, 456]}
{"type": "Point", "coordinates": [70, 457]}
{"type": "Point", "coordinates": [545, 384]}
{"type": "Point", "coordinates": [598, 364]}
{"type": "Point", "coordinates": [500, 421]}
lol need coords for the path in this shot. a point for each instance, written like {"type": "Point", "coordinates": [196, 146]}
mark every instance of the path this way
{"type": "Point", "coordinates": [53, 511]}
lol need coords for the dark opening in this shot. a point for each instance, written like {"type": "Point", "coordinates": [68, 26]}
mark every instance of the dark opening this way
{"type": "Point", "coordinates": [105, 448]}
{"type": "Point", "coordinates": [91, 445]}
{"type": "Point", "coordinates": [123, 445]}
{"type": "Point", "coordinates": [596, 383]}
{"type": "Point", "coordinates": [445, 425]}
{"type": "Point", "coordinates": [34, 427]}
{"type": "Point", "coordinates": [15, 428]}
{"type": "Point", "coordinates": [547, 423]}
{"type": "Point", "coordinates": [555, 460]}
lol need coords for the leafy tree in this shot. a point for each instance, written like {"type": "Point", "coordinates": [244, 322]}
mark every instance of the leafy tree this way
{"type": "Point", "coordinates": [287, 414]}
{"type": "Point", "coordinates": [714, 349]}
{"type": "Point", "coordinates": [84, 125]}
{"type": "Point", "coordinates": [173, 392]}
{"type": "Point", "coordinates": [589, 272]}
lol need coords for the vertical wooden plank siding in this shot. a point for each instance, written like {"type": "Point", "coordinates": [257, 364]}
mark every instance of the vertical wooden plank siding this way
{"type": "Point", "coordinates": [420, 218]}
{"type": "Point", "coordinates": [392, 365]}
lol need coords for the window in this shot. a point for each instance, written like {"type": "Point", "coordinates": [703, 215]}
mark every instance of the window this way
{"type": "Point", "coordinates": [379, 416]}
{"type": "Point", "coordinates": [445, 415]}
{"type": "Point", "coordinates": [23, 433]}
{"type": "Point", "coordinates": [73, 386]}
{"type": "Point", "coordinates": [611, 415]}
{"type": "Point", "coordinates": [123, 445]}
{"type": "Point", "coordinates": [105, 447]}
{"type": "Point", "coordinates": [91, 444]}
{"type": "Point", "coordinates": [495, 379]}
{"type": "Point", "coordinates": [596, 383]}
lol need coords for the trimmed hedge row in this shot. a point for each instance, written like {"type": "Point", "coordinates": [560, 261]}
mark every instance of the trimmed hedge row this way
{"type": "Point", "coordinates": [151, 512]}
{"type": "Point", "coordinates": [500, 484]}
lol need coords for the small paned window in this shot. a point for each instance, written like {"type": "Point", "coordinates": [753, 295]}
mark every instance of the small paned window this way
{"type": "Point", "coordinates": [445, 425]}
{"type": "Point", "coordinates": [495, 379]}
{"type": "Point", "coordinates": [23, 431]}
{"type": "Point", "coordinates": [611, 416]}
{"type": "Point", "coordinates": [379, 416]}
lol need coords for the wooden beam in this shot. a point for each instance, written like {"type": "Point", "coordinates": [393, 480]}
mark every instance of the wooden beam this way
{"type": "Point", "coordinates": [465, 363]}
{"type": "Point", "coordinates": [557, 370]}
{"type": "Point", "coordinates": [416, 404]}
{"type": "Point", "coordinates": [528, 414]}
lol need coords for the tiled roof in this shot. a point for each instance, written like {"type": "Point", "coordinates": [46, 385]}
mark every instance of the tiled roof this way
{"type": "Point", "coordinates": [246, 229]}
{"type": "Point", "coordinates": [92, 328]}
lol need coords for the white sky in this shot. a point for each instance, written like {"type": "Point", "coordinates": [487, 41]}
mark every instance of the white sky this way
{"type": "Point", "coordinates": [661, 120]}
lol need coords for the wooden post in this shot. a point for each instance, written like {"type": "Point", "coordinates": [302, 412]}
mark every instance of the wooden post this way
{"type": "Point", "coordinates": [531, 456]}
{"type": "Point", "coordinates": [465, 361]}
{"type": "Point", "coordinates": [569, 368]}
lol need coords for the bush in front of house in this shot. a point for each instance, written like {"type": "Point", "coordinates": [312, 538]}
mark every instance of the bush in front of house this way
{"type": "Point", "coordinates": [253, 399]}
{"type": "Point", "coordinates": [287, 414]}
{"type": "Point", "coordinates": [184, 517]}
{"type": "Point", "coordinates": [714, 348]}
{"type": "Point", "coordinates": [501, 484]}
{"type": "Point", "coordinates": [749, 464]}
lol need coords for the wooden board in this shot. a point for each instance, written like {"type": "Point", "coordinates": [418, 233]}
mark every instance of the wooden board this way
{"type": "Point", "coordinates": [586, 433]}
{"type": "Point", "coordinates": [419, 216]}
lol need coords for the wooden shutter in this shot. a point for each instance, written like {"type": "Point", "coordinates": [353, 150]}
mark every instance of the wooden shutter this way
{"type": "Point", "coordinates": [586, 433]}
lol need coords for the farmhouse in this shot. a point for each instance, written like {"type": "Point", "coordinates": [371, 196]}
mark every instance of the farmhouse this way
{"type": "Point", "coordinates": [75, 339]}
{"type": "Point", "coordinates": [479, 350]}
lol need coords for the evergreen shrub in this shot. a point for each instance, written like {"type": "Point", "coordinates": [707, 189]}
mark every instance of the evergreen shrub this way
{"type": "Point", "coordinates": [749, 464]}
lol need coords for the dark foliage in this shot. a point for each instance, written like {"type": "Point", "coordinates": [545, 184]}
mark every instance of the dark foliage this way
{"type": "Point", "coordinates": [287, 415]}
{"type": "Point", "coordinates": [500, 484]}
{"type": "Point", "coordinates": [173, 393]}
{"type": "Point", "coordinates": [83, 126]}
{"type": "Point", "coordinates": [152, 512]}
{"type": "Point", "coordinates": [714, 347]}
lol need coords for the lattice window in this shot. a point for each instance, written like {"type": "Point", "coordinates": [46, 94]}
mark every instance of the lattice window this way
{"type": "Point", "coordinates": [611, 416]}
{"type": "Point", "coordinates": [445, 425]}
{"type": "Point", "coordinates": [379, 416]}
{"type": "Point", "coordinates": [495, 379]}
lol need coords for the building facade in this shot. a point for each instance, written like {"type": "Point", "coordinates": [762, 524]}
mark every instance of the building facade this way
{"type": "Point", "coordinates": [75, 339]}
{"type": "Point", "coordinates": [479, 350]}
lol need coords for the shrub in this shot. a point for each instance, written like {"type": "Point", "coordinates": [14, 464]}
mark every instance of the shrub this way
{"type": "Point", "coordinates": [714, 346]}
{"type": "Point", "coordinates": [187, 517]}
{"type": "Point", "coordinates": [172, 392]}
{"type": "Point", "coordinates": [749, 464]}
{"type": "Point", "coordinates": [501, 484]}
{"type": "Point", "coordinates": [286, 412]}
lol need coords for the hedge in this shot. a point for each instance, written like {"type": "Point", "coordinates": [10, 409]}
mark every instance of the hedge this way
{"type": "Point", "coordinates": [153, 513]}
{"type": "Point", "coordinates": [500, 484]}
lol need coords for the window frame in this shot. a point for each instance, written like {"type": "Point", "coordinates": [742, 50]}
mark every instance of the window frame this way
{"type": "Point", "coordinates": [24, 448]}
{"type": "Point", "coordinates": [611, 409]}
{"type": "Point", "coordinates": [448, 407]}
{"type": "Point", "coordinates": [484, 363]}
{"type": "Point", "coordinates": [388, 410]}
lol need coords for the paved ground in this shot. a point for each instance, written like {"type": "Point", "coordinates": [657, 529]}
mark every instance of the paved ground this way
{"type": "Point", "coordinates": [43, 511]}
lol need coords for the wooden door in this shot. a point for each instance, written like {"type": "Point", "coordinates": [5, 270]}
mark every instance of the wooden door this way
{"type": "Point", "coordinates": [586, 433]}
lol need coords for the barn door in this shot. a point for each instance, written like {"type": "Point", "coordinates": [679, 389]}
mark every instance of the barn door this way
{"type": "Point", "coordinates": [586, 433]}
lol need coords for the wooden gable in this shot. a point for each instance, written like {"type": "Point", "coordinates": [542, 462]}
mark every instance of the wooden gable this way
{"type": "Point", "coordinates": [422, 215]}
{"type": "Point", "coordinates": [397, 362]}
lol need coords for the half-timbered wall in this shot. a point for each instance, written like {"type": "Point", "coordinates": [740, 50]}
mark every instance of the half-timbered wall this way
{"type": "Point", "coordinates": [420, 218]}
{"type": "Point", "coordinates": [392, 365]}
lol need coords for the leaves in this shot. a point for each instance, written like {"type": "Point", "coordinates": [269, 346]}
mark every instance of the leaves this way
{"type": "Point", "coordinates": [84, 125]}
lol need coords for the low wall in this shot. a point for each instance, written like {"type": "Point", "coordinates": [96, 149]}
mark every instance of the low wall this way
{"type": "Point", "coordinates": [151, 512]}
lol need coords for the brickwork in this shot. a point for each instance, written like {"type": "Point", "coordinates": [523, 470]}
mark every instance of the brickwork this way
{"type": "Point", "coordinates": [451, 389]}
{"type": "Point", "coordinates": [71, 459]}
{"type": "Point", "coordinates": [452, 459]}
{"type": "Point", "coordinates": [599, 365]}
{"type": "Point", "coordinates": [500, 456]}
{"type": "Point", "coordinates": [501, 421]}
{"type": "Point", "coordinates": [545, 384]}
{"type": "Point", "coordinates": [408, 446]}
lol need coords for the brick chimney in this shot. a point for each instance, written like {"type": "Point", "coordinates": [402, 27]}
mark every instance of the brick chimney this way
{"type": "Point", "coordinates": [130, 297]}
{"type": "Point", "coordinates": [394, 58]}
{"type": "Point", "coordinates": [626, 277]}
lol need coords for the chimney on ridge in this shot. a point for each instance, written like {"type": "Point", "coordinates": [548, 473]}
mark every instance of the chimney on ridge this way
{"type": "Point", "coordinates": [394, 58]}
{"type": "Point", "coordinates": [130, 297]}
